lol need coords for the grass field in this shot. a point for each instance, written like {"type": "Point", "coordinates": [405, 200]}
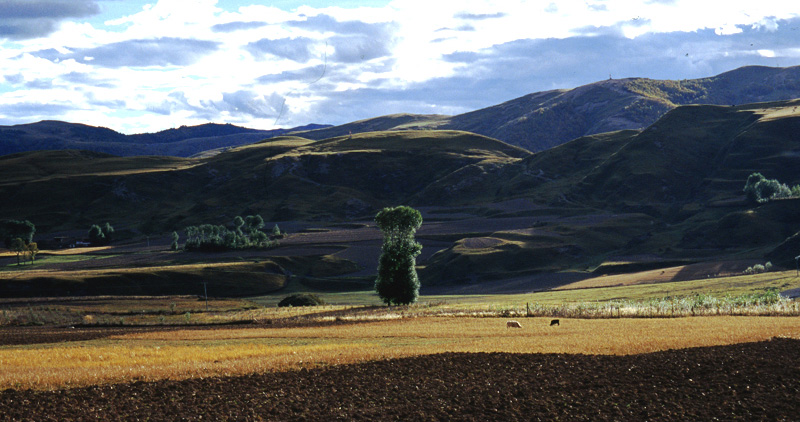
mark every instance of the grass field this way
{"type": "Point", "coordinates": [207, 353]}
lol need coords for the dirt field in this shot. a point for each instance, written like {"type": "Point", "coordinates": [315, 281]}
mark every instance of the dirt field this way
{"type": "Point", "coordinates": [752, 381]}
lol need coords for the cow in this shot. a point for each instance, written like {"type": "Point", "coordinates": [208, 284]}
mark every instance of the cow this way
{"type": "Point", "coordinates": [513, 324]}
{"type": "Point", "coordinates": [555, 322]}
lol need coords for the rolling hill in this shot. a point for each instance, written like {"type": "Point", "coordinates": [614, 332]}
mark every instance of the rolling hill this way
{"type": "Point", "coordinates": [184, 141]}
{"type": "Point", "coordinates": [283, 178]}
{"type": "Point", "coordinates": [671, 192]}
{"type": "Point", "coordinates": [542, 120]}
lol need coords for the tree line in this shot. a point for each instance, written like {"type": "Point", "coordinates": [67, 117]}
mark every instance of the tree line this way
{"type": "Point", "coordinates": [759, 189]}
{"type": "Point", "coordinates": [246, 233]}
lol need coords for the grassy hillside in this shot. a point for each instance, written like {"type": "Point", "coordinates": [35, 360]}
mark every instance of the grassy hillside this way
{"type": "Point", "coordinates": [285, 178]}
{"type": "Point", "coordinates": [542, 120]}
{"type": "Point", "coordinates": [671, 192]}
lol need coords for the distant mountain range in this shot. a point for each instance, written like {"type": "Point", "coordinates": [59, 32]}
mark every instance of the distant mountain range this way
{"type": "Point", "coordinates": [184, 141]}
{"type": "Point", "coordinates": [535, 122]}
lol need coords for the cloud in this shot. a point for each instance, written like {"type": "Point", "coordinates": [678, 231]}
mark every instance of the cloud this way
{"type": "Point", "coordinates": [354, 41]}
{"type": "Point", "coordinates": [80, 78]}
{"type": "Point", "coordinates": [325, 23]}
{"type": "Point", "coordinates": [137, 53]}
{"type": "Point", "coordinates": [308, 74]}
{"type": "Point", "coordinates": [14, 79]}
{"type": "Point", "coordinates": [39, 84]}
{"type": "Point", "coordinates": [480, 16]}
{"type": "Point", "coordinates": [295, 49]}
{"type": "Point", "coordinates": [237, 26]}
{"type": "Point", "coordinates": [252, 104]}
{"type": "Point", "coordinates": [30, 111]}
{"type": "Point", "coordinates": [244, 104]}
{"type": "Point", "coordinates": [358, 48]}
{"type": "Point", "coordinates": [25, 19]}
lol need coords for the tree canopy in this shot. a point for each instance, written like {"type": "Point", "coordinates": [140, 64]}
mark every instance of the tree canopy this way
{"type": "Point", "coordinates": [759, 189]}
{"type": "Point", "coordinates": [17, 229]}
{"type": "Point", "coordinates": [397, 281]}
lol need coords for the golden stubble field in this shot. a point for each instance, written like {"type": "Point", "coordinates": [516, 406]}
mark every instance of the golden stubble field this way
{"type": "Point", "coordinates": [193, 353]}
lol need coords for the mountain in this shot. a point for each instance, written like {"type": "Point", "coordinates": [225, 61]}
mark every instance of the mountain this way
{"type": "Point", "coordinates": [536, 122]}
{"type": "Point", "coordinates": [542, 120]}
{"type": "Point", "coordinates": [671, 192]}
{"type": "Point", "coordinates": [184, 141]}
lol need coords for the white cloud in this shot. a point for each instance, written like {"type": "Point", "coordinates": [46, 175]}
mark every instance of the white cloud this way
{"type": "Point", "coordinates": [188, 61]}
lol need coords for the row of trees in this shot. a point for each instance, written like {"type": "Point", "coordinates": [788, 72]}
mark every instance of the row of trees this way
{"type": "Point", "coordinates": [759, 189]}
{"type": "Point", "coordinates": [246, 234]}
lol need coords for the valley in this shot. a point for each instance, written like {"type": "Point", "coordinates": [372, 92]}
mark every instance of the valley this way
{"type": "Point", "coordinates": [636, 235]}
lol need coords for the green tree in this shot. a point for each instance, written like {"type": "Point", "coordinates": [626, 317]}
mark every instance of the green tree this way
{"type": "Point", "coordinates": [254, 222]}
{"type": "Point", "coordinates": [31, 250]}
{"type": "Point", "coordinates": [175, 239]}
{"type": "Point", "coordinates": [108, 232]}
{"type": "Point", "coordinates": [276, 231]}
{"type": "Point", "coordinates": [759, 189]}
{"type": "Point", "coordinates": [238, 223]}
{"type": "Point", "coordinates": [14, 229]}
{"type": "Point", "coordinates": [96, 236]}
{"type": "Point", "coordinates": [19, 247]}
{"type": "Point", "coordinates": [750, 187]}
{"type": "Point", "coordinates": [397, 282]}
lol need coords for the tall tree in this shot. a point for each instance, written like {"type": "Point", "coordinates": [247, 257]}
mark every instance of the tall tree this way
{"type": "Point", "coordinates": [397, 282]}
{"type": "Point", "coordinates": [175, 238]}
{"type": "Point", "coordinates": [19, 247]}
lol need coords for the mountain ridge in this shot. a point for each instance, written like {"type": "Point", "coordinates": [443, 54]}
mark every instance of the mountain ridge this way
{"type": "Point", "coordinates": [183, 141]}
{"type": "Point", "coordinates": [536, 121]}
{"type": "Point", "coordinates": [542, 120]}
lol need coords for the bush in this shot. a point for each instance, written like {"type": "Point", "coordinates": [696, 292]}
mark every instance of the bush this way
{"type": "Point", "coordinates": [301, 299]}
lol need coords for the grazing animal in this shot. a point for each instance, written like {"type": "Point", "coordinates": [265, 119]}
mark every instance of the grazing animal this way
{"type": "Point", "coordinates": [555, 322]}
{"type": "Point", "coordinates": [513, 324]}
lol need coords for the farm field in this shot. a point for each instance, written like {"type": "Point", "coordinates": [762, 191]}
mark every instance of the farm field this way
{"type": "Point", "coordinates": [162, 347]}
{"type": "Point", "coordinates": [417, 369]}
{"type": "Point", "coordinates": [67, 357]}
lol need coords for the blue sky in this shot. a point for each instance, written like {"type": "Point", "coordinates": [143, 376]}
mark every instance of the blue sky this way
{"type": "Point", "coordinates": [143, 66]}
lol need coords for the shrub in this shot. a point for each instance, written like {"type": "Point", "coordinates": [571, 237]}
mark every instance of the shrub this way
{"type": "Point", "coordinates": [301, 299]}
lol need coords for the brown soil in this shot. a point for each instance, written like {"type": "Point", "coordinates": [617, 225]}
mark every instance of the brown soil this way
{"type": "Point", "coordinates": [753, 381]}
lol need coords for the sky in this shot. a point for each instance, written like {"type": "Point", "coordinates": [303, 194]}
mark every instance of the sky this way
{"type": "Point", "coordinates": [143, 66]}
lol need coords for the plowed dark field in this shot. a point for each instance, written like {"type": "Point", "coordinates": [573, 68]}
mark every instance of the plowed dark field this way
{"type": "Point", "coordinates": [753, 381]}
